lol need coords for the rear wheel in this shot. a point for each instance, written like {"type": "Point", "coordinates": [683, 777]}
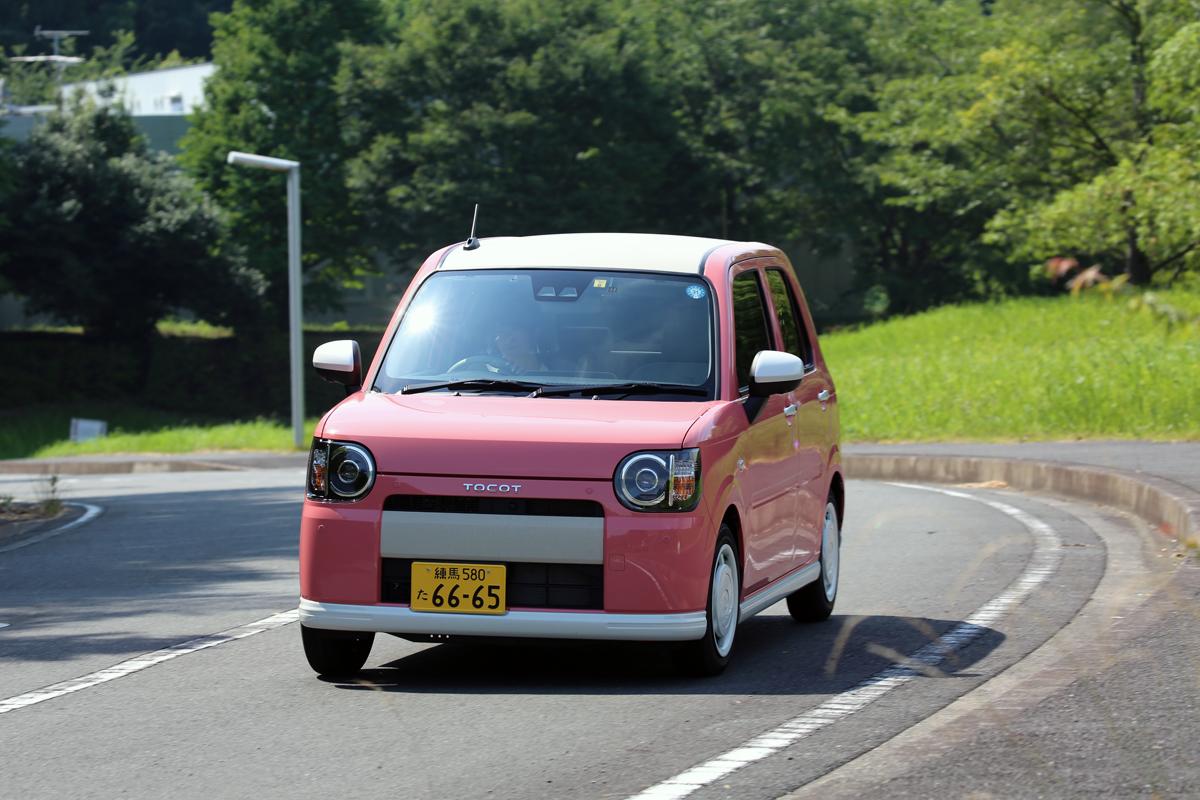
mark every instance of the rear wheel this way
{"type": "Point", "coordinates": [336, 653]}
{"type": "Point", "coordinates": [814, 602]}
{"type": "Point", "coordinates": [710, 655]}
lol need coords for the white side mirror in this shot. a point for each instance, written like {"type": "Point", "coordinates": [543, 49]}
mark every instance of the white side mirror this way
{"type": "Point", "coordinates": [340, 362]}
{"type": "Point", "coordinates": [774, 372]}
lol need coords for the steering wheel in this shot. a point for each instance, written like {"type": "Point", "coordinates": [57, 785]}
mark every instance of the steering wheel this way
{"type": "Point", "coordinates": [484, 363]}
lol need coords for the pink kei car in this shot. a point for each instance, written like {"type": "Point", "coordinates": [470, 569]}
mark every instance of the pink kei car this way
{"type": "Point", "coordinates": [584, 436]}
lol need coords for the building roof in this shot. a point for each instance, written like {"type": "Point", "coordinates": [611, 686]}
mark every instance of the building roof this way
{"type": "Point", "coordinates": [633, 251]}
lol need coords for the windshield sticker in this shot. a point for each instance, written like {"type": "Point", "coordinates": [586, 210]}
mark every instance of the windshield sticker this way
{"type": "Point", "coordinates": [599, 283]}
{"type": "Point", "coordinates": [696, 292]}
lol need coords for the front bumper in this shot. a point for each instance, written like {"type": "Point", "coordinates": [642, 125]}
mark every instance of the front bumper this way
{"type": "Point", "coordinates": [652, 564]}
{"type": "Point", "coordinates": [518, 624]}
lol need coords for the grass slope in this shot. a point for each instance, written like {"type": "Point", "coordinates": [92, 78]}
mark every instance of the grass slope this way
{"type": "Point", "coordinates": [1035, 368]}
{"type": "Point", "coordinates": [43, 432]}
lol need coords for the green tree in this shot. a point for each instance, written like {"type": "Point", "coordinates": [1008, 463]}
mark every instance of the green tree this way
{"type": "Point", "coordinates": [273, 94]}
{"type": "Point", "coordinates": [1068, 127]}
{"type": "Point", "coordinates": [107, 236]}
{"type": "Point", "coordinates": [550, 115]}
{"type": "Point", "coordinates": [753, 83]}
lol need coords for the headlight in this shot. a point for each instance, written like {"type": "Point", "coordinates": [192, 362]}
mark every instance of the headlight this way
{"type": "Point", "coordinates": [339, 470]}
{"type": "Point", "coordinates": [659, 480]}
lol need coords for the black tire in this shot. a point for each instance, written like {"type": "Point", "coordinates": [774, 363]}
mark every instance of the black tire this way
{"type": "Point", "coordinates": [703, 657]}
{"type": "Point", "coordinates": [336, 654]}
{"type": "Point", "coordinates": [814, 602]}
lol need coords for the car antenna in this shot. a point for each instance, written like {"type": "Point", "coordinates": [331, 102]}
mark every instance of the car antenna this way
{"type": "Point", "coordinates": [472, 242]}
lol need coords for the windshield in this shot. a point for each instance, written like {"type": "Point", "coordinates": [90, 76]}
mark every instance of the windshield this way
{"type": "Point", "coordinates": [523, 329]}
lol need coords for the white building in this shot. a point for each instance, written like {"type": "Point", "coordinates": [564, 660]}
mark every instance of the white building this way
{"type": "Point", "coordinates": [174, 91]}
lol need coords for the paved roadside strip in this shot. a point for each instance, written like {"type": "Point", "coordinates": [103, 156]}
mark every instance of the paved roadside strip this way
{"type": "Point", "coordinates": [1042, 723]}
{"type": "Point", "coordinates": [152, 462]}
{"type": "Point", "coordinates": [1170, 504]}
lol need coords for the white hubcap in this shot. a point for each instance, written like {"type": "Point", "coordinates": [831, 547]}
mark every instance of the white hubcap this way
{"type": "Point", "coordinates": [724, 599]}
{"type": "Point", "coordinates": [830, 550]}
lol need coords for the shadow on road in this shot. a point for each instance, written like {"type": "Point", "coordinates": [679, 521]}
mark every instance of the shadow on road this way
{"type": "Point", "coordinates": [188, 555]}
{"type": "Point", "coordinates": [774, 655]}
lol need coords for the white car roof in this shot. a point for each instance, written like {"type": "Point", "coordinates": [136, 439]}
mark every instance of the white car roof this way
{"type": "Point", "coordinates": [632, 251]}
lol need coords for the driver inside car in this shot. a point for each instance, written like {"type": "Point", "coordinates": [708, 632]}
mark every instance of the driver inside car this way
{"type": "Point", "coordinates": [516, 344]}
{"type": "Point", "coordinates": [513, 351]}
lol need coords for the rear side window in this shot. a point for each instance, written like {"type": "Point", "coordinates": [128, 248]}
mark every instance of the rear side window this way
{"type": "Point", "coordinates": [795, 337]}
{"type": "Point", "coordinates": [749, 323]}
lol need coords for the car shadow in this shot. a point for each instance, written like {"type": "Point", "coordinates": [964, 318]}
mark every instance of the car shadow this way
{"type": "Point", "coordinates": [773, 655]}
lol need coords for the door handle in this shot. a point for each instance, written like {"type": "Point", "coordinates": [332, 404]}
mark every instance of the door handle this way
{"type": "Point", "coordinates": [790, 410]}
{"type": "Point", "coordinates": [824, 395]}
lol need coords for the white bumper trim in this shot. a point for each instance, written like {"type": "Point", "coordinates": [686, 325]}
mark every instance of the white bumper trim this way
{"type": "Point", "coordinates": [523, 624]}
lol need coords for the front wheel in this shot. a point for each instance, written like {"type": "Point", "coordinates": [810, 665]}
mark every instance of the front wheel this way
{"type": "Point", "coordinates": [336, 654]}
{"type": "Point", "coordinates": [814, 602]}
{"type": "Point", "coordinates": [710, 655]}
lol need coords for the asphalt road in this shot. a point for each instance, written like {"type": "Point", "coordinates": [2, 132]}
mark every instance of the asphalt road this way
{"type": "Point", "coordinates": [179, 556]}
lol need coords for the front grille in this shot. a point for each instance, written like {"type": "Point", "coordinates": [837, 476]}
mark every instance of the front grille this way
{"type": "Point", "coordinates": [455, 504]}
{"type": "Point", "coordinates": [573, 586]}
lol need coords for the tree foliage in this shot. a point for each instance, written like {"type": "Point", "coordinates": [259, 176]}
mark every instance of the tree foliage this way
{"type": "Point", "coordinates": [548, 114]}
{"type": "Point", "coordinates": [1069, 127]}
{"type": "Point", "coordinates": [688, 117]}
{"type": "Point", "coordinates": [105, 235]}
{"type": "Point", "coordinates": [945, 148]}
{"type": "Point", "coordinates": [273, 94]}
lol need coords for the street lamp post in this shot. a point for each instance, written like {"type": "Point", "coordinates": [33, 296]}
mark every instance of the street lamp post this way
{"type": "Point", "coordinates": [295, 339]}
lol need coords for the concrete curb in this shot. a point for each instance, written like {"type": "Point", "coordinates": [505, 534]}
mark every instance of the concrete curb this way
{"type": "Point", "coordinates": [1171, 508]}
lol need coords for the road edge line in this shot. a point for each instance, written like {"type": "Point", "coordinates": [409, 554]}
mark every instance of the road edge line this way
{"type": "Point", "coordinates": [90, 512]}
{"type": "Point", "coordinates": [145, 661]}
{"type": "Point", "coordinates": [1044, 562]}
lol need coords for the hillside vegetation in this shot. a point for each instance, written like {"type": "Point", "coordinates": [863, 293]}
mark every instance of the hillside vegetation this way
{"type": "Point", "coordinates": [1035, 368]}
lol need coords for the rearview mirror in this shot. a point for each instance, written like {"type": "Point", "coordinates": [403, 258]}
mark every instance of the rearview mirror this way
{"type": "Point", "coordinates": [774, 372]}
{"type": "Point", "coordinates": [340, 362]}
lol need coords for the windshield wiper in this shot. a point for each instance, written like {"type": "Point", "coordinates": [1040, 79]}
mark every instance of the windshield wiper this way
{"type": "Point", "coordinates": [475, 383]}
{"type": "Point", "coordinates": [622, 389]}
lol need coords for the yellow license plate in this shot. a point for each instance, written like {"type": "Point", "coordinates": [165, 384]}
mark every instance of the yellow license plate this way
{"type": "Point", "coordinates": [458, 588]}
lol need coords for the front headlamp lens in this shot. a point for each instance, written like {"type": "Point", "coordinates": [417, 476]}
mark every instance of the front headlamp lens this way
{"type": "Point", "coordinates": [660, 480]}
{"type": "Point", "coordinates": [351, 470]}
{"type": "Point", "coordinates": [348, 472]}
{"type": "Point", "coordinates": [643, 479]}
{"type": "Point", "coordinates": [339, 470]}
{"type": "Point", "coordinates": [647, 481]}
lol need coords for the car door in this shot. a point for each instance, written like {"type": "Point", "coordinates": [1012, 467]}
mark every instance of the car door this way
{"type": "Point", "coordinates": [765, 448]}
{"type": "Point", "coordinates": [810, 422]}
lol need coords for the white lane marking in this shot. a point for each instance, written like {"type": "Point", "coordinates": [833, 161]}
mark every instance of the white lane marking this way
{"type": "Point", "coordinates": [146, 660]}
{"type": "Point", "coordinates": [90, 512]}
{"type": "Point", "coordinates": [1046, 556]}
{"type": "Point", "coordinates": [4, 624]}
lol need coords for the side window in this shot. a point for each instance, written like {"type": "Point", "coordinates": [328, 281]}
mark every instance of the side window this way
{"type": "Point", "coordinates": [749, 323]}
{"type": "Point", "coordinates": [795, 337]}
